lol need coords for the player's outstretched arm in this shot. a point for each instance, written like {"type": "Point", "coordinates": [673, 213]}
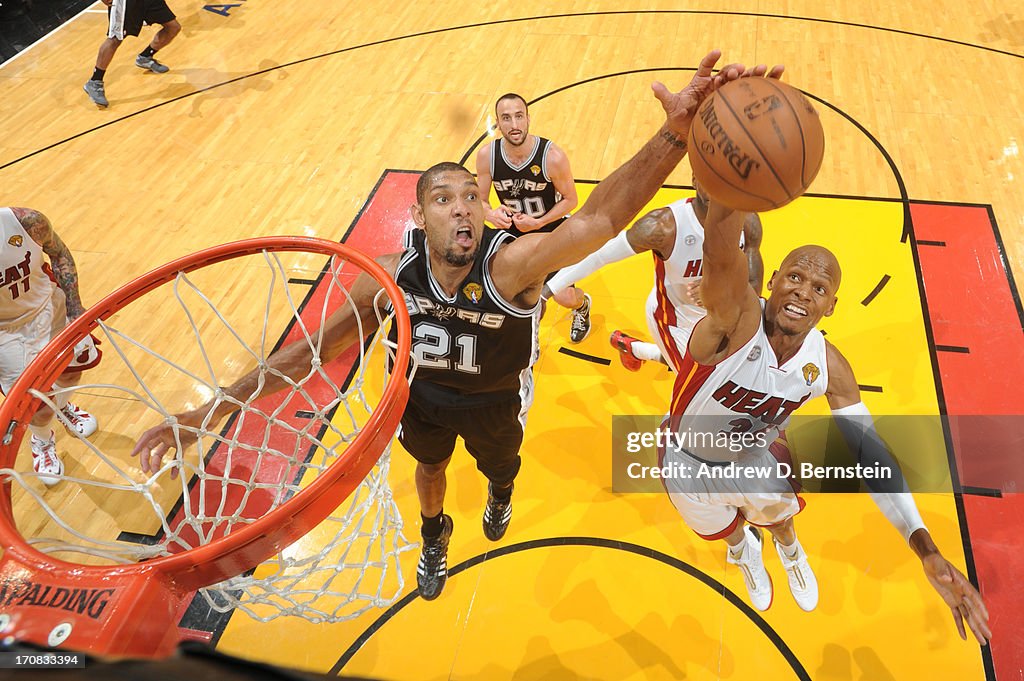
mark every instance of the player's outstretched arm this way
{"type": "Point", "coordinates": [618, 198]}
{"type": "Point", "coordinates": [897, 505]}
{"type": "Point", "coordinates": [347, 325]}
{"type": "Point", "coordinates": [752, 237]}
{"type": "Point", "coordinates": [733, 309]}
{"type": "Point", "coordinates": [655, 231]}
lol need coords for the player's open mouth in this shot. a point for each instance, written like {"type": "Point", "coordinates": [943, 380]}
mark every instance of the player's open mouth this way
{"type": "Point", "coordinates": [464, 236]}
{"type": "Point", "coordinates": [795, 310]}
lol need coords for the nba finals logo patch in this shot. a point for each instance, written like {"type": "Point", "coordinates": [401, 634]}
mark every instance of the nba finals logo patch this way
{"type": "Point", "coordinates": [474, 292]}
{"type": "Point", "coordinates": [535, 169]}
{"type": "Point", "coordinates": [16, 241]}
{"type": "Point", "coordinates": [811, 373]}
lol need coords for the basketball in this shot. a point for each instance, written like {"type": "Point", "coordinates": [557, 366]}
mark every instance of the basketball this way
{"type": "Point", "coordinates": [756, 144]}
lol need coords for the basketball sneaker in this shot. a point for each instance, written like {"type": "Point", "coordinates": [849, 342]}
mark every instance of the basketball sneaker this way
{"type": "Point", "coordinates": [802, 582]}
{"type": "Point", "coordinates": [750, 563]}
{"type": "Point", "coordinates": [94, 88]}
{"type": "Point", "coordinates": [78, 420]}
{"type": "Point", "coordinates": [580, 321]}
{"type": "Point", "coordinates": [623, 342]}
{"type": "Point", "coordinates": [45, 461]}
{"type": "Point", "coordinates": [151, 64]}
{"type": "Point", "coordinates": [497, 515]}
{"type": "Point", "coordinates": [432, 570]}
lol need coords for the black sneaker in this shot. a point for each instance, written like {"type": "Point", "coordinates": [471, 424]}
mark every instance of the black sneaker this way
{"type": "Point", "coordinates": [580, 321]}
{"type": "Point", "coordinates": [497, 515]}
{"type": "Point", "coordinates": [432, 570]}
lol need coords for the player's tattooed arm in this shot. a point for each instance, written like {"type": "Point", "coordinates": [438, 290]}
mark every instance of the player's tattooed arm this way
{"type": "Point", "coordinates": [63, 264]}
{"type": "Point", "coordinates": [655, 231]}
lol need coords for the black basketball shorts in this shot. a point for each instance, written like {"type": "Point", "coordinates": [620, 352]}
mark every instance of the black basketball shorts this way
{"type": "Point", "coordinates": [493, 434]}
{"type": "Point", "coordinates": [127, 16]}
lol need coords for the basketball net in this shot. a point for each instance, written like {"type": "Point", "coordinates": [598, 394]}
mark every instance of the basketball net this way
{"type": "Point", "coordinates": [242, 478]}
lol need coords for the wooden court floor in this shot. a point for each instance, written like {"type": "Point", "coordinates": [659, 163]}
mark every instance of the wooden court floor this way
{"type": "Point", "coordinates": [288, 121]}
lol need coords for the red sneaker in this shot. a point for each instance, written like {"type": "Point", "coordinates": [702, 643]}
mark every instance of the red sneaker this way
{"type": "Point", "coordinates": [624, 344]}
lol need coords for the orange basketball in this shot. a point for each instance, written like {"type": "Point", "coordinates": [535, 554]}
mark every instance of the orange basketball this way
{"type": "Point", "coordinates": [756, 144]}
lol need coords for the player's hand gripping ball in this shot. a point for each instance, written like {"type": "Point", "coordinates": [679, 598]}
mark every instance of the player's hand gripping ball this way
{"type": "Point", "coordinates": [756, 144]}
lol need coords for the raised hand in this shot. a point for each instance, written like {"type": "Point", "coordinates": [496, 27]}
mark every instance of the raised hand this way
{"type": "Point", "coordinates": [680, 107]}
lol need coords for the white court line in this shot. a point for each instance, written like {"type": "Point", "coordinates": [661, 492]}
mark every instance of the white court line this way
{"type": "Point", "coordinates": [84, 11]}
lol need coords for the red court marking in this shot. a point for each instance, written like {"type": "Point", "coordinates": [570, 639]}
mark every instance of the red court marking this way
{"type": "Point", "coordinates": [971, 305]}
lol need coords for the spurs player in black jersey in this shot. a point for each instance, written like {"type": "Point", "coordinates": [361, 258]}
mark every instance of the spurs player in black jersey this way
{"type": "Point", "coordinates": [474, 298]}
{"type": "Point", "coordinates": [535, 189]}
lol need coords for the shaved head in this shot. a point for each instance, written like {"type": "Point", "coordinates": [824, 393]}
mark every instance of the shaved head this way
{"type": "Point", "coordinates": [816, 258]}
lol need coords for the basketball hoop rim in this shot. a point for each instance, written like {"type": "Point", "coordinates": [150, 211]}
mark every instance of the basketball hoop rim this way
{"type": "Point", "coordinates": [218, 560]}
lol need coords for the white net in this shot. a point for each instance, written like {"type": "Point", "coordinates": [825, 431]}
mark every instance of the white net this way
{"type": "Point", "coordinates": [171, 351]}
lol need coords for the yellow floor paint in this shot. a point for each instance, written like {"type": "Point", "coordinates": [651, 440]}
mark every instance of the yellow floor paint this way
{"type": "Point", "coordinates": [604, 613]}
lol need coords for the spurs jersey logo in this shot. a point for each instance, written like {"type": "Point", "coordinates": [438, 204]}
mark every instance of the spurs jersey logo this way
{"type": "Point", "coordinates": [535, 169]}
{"type": "Point", "coordinates": [474, 292]}
{"type": "Point", "coordinates": [769, 409]}
{"type": "Point", "coordinates": [516, 187]}
{"type": "Point", "coordinates": [421, 305]}
{"type": "Point", "coordinates": [16, 241]}
{"type": "Point", "coordinates": [444, 312]}
{"type": "Point", "coordinates": [811, 373]}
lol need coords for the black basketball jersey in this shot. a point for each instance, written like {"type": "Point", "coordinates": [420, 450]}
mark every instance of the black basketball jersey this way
{"type": "Point", "coordinates": [525, 188]}
{"type": "Point", "coordinates": [474, 343]}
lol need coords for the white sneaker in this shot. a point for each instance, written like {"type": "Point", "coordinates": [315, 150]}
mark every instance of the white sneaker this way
{"type": "Point", "coordinates": [78, 420]}
{"type": "Point", "coordinates": [802, 582]}
{"type": "Point", "coordinates": [750, 563]}
{"type": "Point", "coordinates": [45, 461]}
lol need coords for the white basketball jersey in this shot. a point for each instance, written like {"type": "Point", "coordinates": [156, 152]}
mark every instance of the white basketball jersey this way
{"type": "Point", "coordinates": [747, 392]}
{"type": "Point", "coordinates": [666, 304]}
{"type": "Point", "coordinates": [24, 287]}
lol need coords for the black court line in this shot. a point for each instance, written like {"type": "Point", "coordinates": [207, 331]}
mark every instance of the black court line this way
{"type": "Point", "coordinates": [899, 179]}
{"type": "Point", "coordinates": [953, 348]}
{"type": "Point", "coordinates": [922, 242]}
{"type": "Point", "coordinates": [584, 356]}
{"type": "Point", "coordinates": [870, 388]}
{"type": "Point", "coordinates": [597, 542]}
{"type": "Point", "coordinates": [878, 289]}
{"type": "Point", "coordinates": [983, 492]}
{"type": "Point", "coordinates": [307, 282]}
{"type": "Point", "coordinates": [1006, 266]}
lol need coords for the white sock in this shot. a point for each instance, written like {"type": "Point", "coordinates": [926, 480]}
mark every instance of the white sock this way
{"type": "Point", "coordinates": [41, 432]}
{"type": "Point", "coordinates": [789, 549]}
{"type": "Point", "coordinates": [737, 550]}
{"type": "Point", "coordinates": [646, 351]}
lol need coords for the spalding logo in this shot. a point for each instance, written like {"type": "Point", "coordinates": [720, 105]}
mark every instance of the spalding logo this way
{"type": "Point", "coordinates": [762, 106]}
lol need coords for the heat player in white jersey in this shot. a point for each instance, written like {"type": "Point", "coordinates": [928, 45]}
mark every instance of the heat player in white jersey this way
{"type": "Point", "coordinates": [749, 364]}
{"type": "Point", "coordinates": [674, 235]}
{"type": "Point", "coordinates": [37, 300]}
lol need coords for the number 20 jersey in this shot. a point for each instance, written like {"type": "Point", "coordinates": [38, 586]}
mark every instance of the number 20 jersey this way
{"type": "Point", "coordinates": [474, 343]}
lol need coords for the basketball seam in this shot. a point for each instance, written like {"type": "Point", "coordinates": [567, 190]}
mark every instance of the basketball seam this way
{"type": "Point", "coordinates": [750, 137]}
{"type": "Point", "coordinates": [726, 180]}
{"type": "Point", "coordinates": [800, 128]}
